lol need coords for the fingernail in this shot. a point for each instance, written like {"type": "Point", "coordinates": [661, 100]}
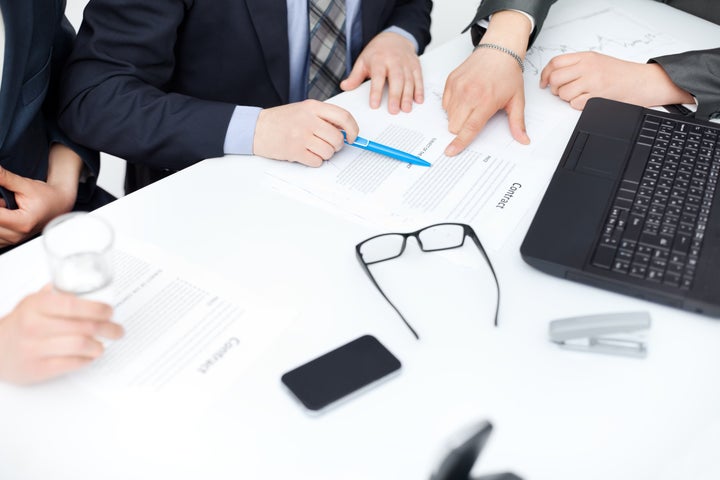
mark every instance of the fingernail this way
{"type": "Point", "coordinates": [451, 151]}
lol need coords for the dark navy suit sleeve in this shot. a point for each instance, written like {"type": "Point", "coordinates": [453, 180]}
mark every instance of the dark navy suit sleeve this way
{"type": "Point", "coordinates": [697, 72]}
{"type": "Point", "coordinates": [114, 94]}
{"type": "Point", "coordinates": [413, 16]}
{"type": "Point", "coordinates": [538, 9]}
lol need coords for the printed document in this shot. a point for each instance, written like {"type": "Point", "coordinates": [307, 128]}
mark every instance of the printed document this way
{"type": "Point", "coordinates": [488, 184]}
{"type": "Point", "coordinates": [496, 181]}
{"type": "Point", "coordinates": [186, 331]}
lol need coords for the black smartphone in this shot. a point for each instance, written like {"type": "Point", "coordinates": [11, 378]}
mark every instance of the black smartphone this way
{"type": "Point", "coordinates": [340, 372]}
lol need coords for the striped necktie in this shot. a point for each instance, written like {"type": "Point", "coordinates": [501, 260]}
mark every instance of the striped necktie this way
{"type": "Point", "coordinates": [327, 47]}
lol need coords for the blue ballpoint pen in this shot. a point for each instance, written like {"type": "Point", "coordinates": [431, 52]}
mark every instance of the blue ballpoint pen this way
{"type": "Point", "coordinates": [371, 146]}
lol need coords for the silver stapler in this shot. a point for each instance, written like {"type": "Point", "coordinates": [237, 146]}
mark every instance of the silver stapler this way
{"type": "Point", "coordinates": [612, 333]}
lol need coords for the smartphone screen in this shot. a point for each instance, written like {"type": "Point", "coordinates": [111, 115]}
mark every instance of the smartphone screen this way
{"type": "Point", "coordinates": [340, 372]}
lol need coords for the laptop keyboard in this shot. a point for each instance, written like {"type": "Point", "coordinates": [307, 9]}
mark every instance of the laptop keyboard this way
{"type": "Point", "coordinates": [657, 223]}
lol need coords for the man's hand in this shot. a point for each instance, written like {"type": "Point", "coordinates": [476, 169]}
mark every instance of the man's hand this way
{"type": "Point", "coordinates": [307, 132]}
{"type": "Point", "coordinates": [39, 202]}
{"type": "Point", "coordinates": [51, 333]}
{"type": "Point", "coordinates": [489, 81]}
{"type": "Point", "coordinates": [389, 57]}
{"type": "Point", "coordinates": [577, 77]}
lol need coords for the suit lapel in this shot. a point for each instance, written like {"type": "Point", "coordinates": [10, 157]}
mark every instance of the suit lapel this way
{"type": "Point", "coordinates": [271, 25]}
{"type": "Point", "coordinates": [17, 17]}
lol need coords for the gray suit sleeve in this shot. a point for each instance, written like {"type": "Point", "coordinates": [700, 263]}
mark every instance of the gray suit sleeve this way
{"type": "Point", "coordinates": [697, 72]}
{"type": "Point", "coordinates": [538, 9]}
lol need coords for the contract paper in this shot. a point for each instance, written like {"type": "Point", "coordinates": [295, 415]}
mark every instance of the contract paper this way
{"type": "Point", "coordinates": [488, 184]}
{"type": "Point", "coordinates": [494, 183]}
{"type": "Point", "coordinates": [187, 332]}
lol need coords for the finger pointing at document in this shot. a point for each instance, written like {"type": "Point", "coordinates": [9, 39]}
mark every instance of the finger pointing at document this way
{"type": "Point", "coordinates": [488, 81]}
{"type": "Point", "coordinates": [491, 78]}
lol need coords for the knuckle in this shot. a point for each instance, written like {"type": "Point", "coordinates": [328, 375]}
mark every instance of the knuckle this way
{"type": "Point", "coordinates": [63, 302]}
{"type": "Point", "coordinates": [105, 311]}
{"type": "Point", "coordinates": [25, 228]}
{"type": "Point", "coordinates": [89, 328]}
{"type": "Point", "coordinates": [14, 237]}
{"type": "Point", "coordinates": [327, 151]}
{"type": "Point", "coordinates": [347, 118]}
{"type": "Point", "coordinates": [471, 90]}
{"type": "Point", "coordinates": [337, 142]}
{"type": "Point", "coordinates": [552, 78]}
{"type": "Point", "coordinates": [89, 346]}
{"type": "Point", "coordinates": [471, 127]}
{"type": "Point", "coordinates": [577, 104]}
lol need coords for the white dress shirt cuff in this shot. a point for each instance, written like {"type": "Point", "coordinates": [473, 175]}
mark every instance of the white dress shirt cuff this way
{"type": "Point", "coordinates": [241, 131]}
{"type": "Point", "coordinates": [486, 21]}
{"type": "Point", "coordinates": [405, 34]}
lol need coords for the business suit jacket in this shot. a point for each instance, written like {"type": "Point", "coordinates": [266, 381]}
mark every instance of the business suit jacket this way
{"type": "Point", "coordinates": [538, 9]}
{"type": "Point", "coordinates": [38, 39]}
{"type": "Point", "coordinates": [156, 82]}
{"type": "Point", "coordinates": [707, 9]}
{"type": "Point", "coordinates": [697, 72]}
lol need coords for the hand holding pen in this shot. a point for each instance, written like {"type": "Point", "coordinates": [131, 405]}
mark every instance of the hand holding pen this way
{"type": "Point", "coordinates": [313, 131]}
{"type": "Point", "coordinates": [307, 132]}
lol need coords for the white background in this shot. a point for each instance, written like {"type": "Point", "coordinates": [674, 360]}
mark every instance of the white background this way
{"type": "Point", "coordinates": [449, 18]}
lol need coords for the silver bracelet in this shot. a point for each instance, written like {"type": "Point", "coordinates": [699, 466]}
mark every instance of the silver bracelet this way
{"type": "Point", "coordinates": [505, 50]}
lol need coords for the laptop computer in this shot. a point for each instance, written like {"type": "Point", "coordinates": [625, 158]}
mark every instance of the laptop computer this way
{"type": "Point", "coordinates": [632, 207]}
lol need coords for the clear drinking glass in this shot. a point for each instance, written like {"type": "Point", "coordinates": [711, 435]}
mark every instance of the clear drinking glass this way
{"type": "Point", "coordinates": [78, 246]}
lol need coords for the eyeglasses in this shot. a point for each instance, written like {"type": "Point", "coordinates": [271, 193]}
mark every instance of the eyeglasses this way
{"type": "Point", "coordinates": [434, 238]}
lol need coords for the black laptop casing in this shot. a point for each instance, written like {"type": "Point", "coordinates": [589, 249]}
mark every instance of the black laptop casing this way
{"type": "Point", "coordinates": [568, 223]}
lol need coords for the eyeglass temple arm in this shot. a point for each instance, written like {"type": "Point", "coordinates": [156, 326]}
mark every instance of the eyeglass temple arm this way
{"type": "Point", "coordinates": [372, 279]}
{"type": "Point", "coordinates": [476, 240]}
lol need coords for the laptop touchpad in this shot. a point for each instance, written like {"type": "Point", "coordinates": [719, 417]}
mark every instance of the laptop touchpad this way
{"type": "Point", "coordinates": [603, 156]}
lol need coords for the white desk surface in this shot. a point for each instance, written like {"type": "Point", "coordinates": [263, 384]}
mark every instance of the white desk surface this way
{"type": "Point", "coordinates": [557, 414]}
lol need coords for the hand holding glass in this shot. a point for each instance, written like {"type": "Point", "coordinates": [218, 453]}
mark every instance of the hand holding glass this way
{"type": "Point", "coordinates": [78, 247]}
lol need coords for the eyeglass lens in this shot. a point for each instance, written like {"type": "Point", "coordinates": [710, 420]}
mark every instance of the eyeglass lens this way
{"type": "Point", "coordinates": [442, 237]}
{"type": "Point", "coordinates": [382, 247]}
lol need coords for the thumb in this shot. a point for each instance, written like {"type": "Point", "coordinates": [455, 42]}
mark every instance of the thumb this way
{"type": "Point", "coordinates": [357, 76]}
{"type": "Point", "coordinates": [516, 119]}
{"type": "Point", "coordinates": [11, 181]}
